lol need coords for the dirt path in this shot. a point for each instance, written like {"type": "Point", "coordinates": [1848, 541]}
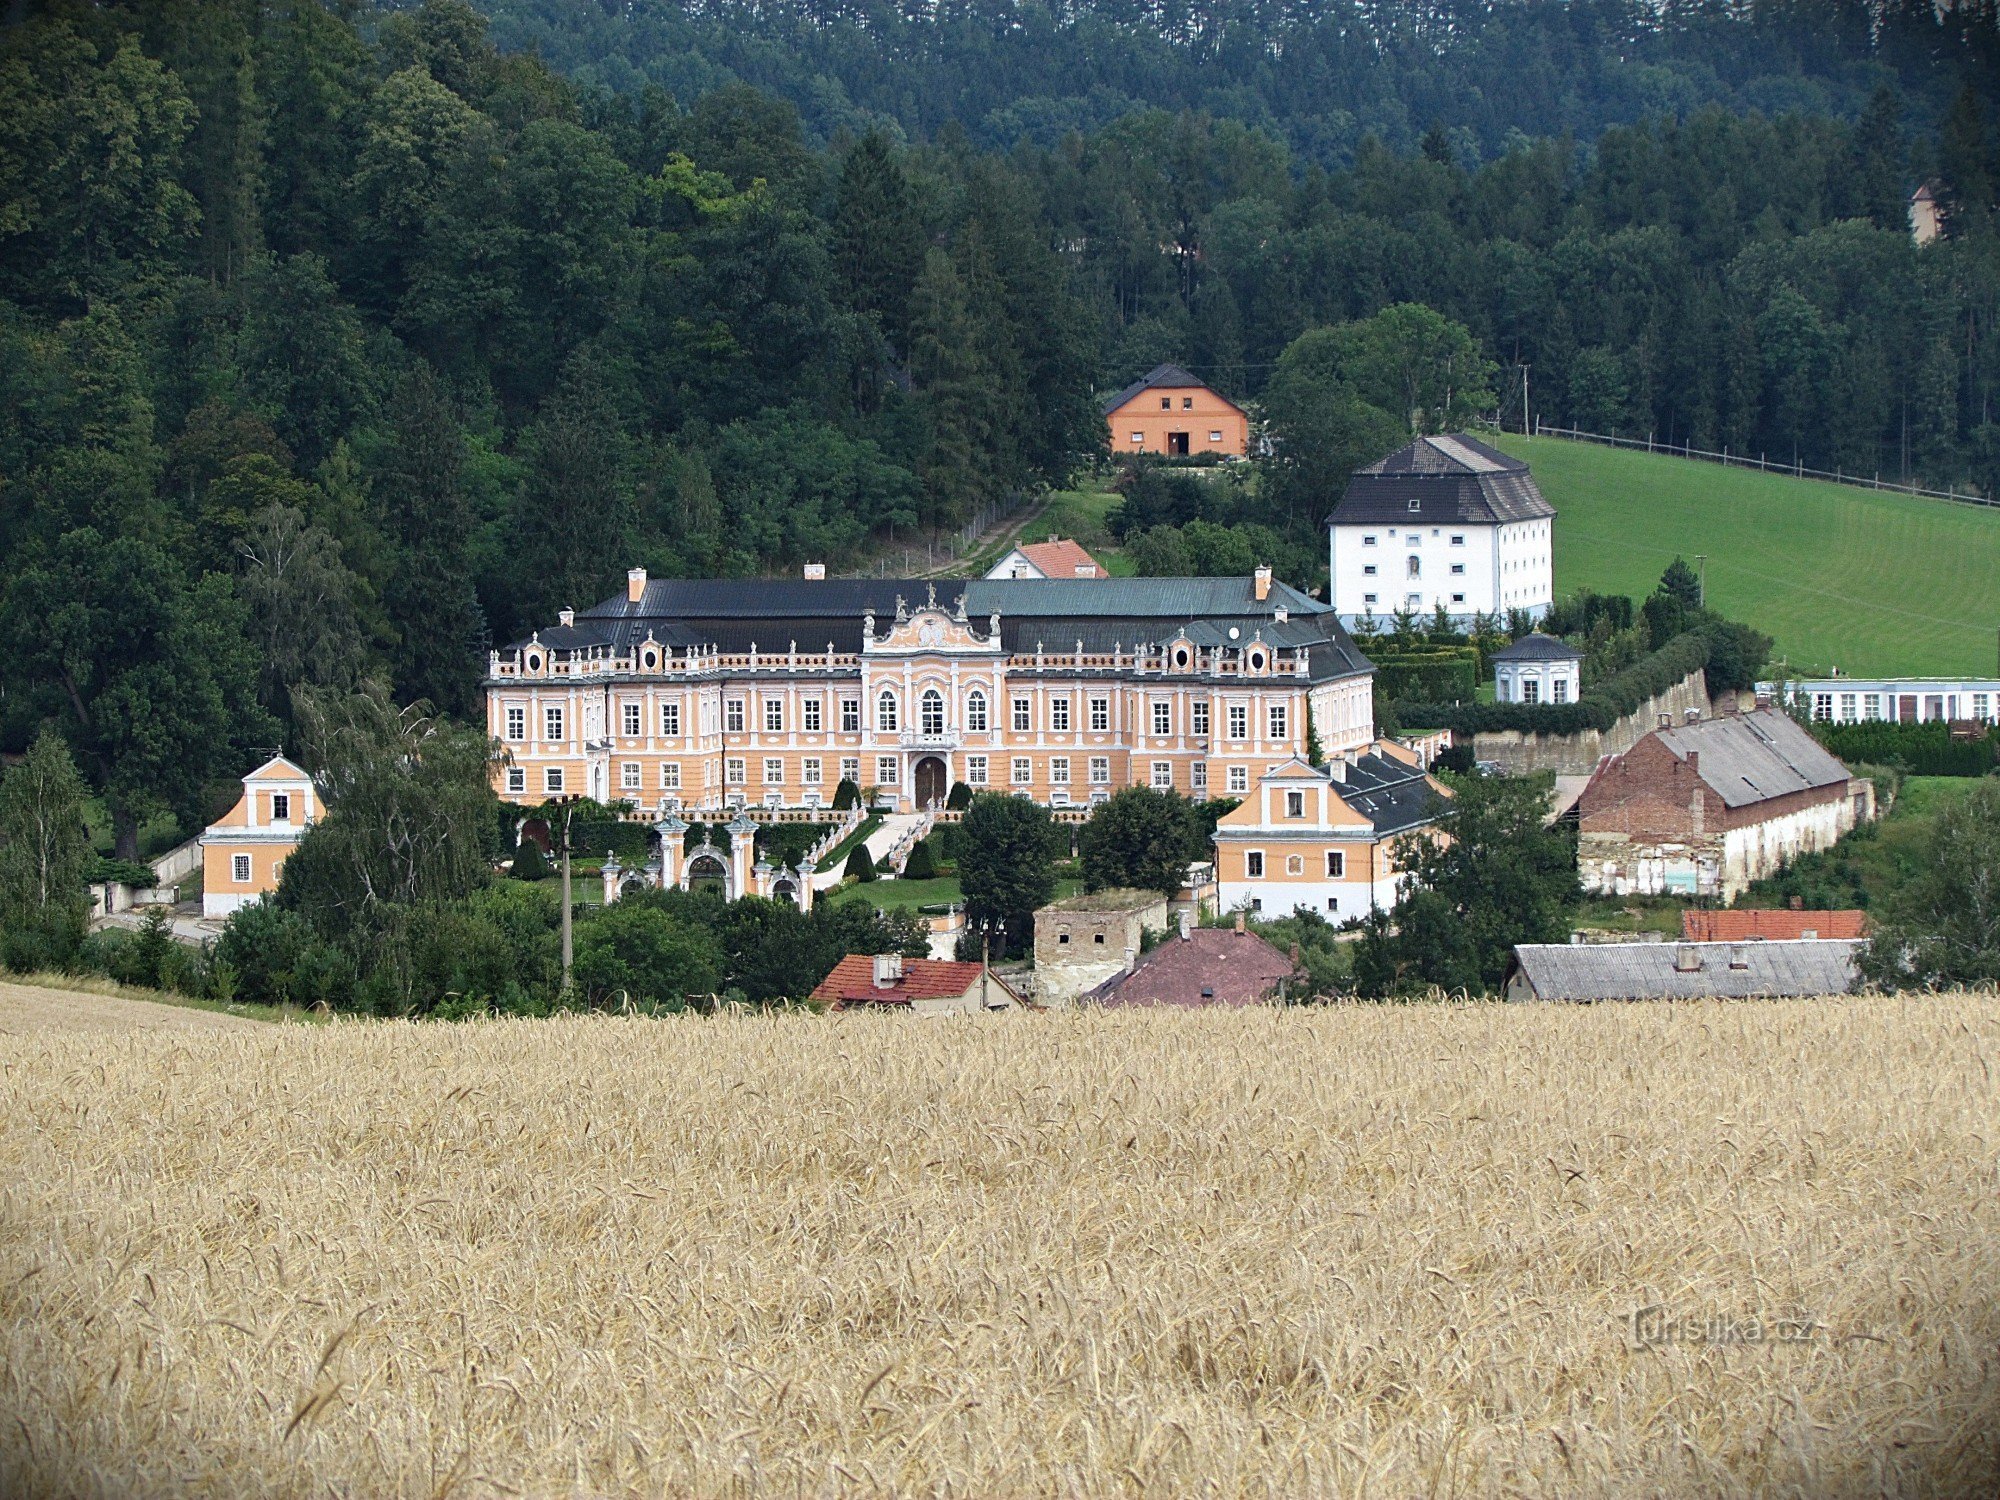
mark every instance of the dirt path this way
{"type": "Point", "coordinates": [29, 1007]}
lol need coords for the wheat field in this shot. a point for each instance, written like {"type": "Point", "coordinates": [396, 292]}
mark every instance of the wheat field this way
{"type": "Point", "coordinates": [1707, 1249]}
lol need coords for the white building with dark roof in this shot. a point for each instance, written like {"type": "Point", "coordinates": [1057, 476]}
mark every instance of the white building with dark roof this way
{"type": "Point", "coordinates": [1537, 668]}
{"type": "Point", "coordinates": [1445, 521]}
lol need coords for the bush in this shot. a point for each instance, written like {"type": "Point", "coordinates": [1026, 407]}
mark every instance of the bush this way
{"type": "Point", "coordinates": [959, 799]}
{"type": "Point", "coordinates": [529, 861]}
{"type": "Point", "coordinates": [860, 864]}
{"type": "Point", "coordinates": [1918, 749]}
{"type": "Point", "coordinates": [1432, 674]}
{"type": "Point", "coordinates": [920, 865]}
{"type": "Point", "coordinates": [99, 869]}
{"type": "Point", "coordinates": [846, 795]}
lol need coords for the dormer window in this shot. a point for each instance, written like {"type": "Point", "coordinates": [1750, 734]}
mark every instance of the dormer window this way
{"type": "Point", "coordinates": [1295, 804]}
{"type": "Point", "coordinates": [1415, 506]}
{"type": "Point", "coordinates": [281, 807]}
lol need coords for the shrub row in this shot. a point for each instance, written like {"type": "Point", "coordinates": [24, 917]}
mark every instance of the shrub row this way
{"type": "Point", "coordinates": [1919, 749]}
{"type": "Point", "coordinates": [1601, 705]}
{"type": "Point", "coordinates": [1429, 674]}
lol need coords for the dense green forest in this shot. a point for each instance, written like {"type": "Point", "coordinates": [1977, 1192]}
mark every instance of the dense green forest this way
{"type": "Point", "coordinates": [1320, 75]}
{"type": "Point", "coordinates": [336, 344]}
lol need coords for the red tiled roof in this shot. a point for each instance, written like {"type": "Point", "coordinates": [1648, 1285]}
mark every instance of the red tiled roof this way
{"type": "Point", "coordinates": [1061, 558]}
{"type": "Point", "coordinates": [1771, 926]}
{"type": "Point", "coordinates": [853, 981]}
{"type": "Point", "coordinates": [1210, 966]}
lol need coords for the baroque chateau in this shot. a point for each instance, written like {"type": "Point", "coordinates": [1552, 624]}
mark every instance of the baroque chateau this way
{"type": "Point", "coordinates": [705, 694]}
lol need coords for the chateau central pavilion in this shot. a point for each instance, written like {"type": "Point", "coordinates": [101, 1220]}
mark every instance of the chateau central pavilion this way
{"type": "Point", "coordinates": [709, 693]}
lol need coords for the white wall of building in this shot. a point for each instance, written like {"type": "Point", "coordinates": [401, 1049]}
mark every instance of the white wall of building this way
{"type": "Point", "coordinates": [1860, 700]}
{"type": "Point", "coordinates": [1503, 567]}
{"type": "Point", "coordinates": [1554, 681]}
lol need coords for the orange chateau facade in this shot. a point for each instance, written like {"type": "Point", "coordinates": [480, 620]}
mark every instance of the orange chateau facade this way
{"type": "Point", "coordinates": [1173, 413]}
{"type": "Point", "coordinates": [704, 694]}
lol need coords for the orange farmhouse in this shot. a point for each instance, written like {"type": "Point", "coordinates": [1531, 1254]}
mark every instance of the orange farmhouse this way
{"type": "Point", "coordinates": [1170, 412]}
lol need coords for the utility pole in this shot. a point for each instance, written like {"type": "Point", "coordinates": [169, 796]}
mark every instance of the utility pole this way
{"type": "Point", "coordinates": [1524, 400]}
{"type": "Point", "coordinates": [569, 810]}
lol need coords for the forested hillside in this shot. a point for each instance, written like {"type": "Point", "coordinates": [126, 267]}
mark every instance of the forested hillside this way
{"type": "Point", "coordinates": [1320, 75]}
{"type": "Point", "coordinates": [336, 344]}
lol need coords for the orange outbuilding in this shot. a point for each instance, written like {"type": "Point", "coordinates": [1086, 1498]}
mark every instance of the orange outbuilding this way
{"type": "Point", "coordinates": [1170, 412]}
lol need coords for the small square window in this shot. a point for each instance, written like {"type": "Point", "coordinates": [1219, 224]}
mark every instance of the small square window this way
{"type": "Point", "coordinates": [1458, 539]}
{"type": "Point", "coordinates": [239, 867]}
{"type": "Point", "coordinates": [809, 770]}
{"type": "Point", "coordinates": [517, 781]}
{"type": "Point", "coordinates": [552, 779]}
{"type": "Point", "coordinates": [1239, 779]}
{"type": "Point", "coordinates": [1166, 403]}
{"type": "Point", "coordinates": [1138, 439]}
{"type": "Point", "coordinates": [628, 776]}
{"type": "Point", "coordinates": [774, 772]}
{"type": "Point", "coordinates": [734, 771]}
{"type": "Point", "coordinates": [1163, 775]}
{"type": "Point", "coordinates": [1367, 598]}
{"type": "Point", "coordinates": [1415, 506]}
{"type": "Point", "coordinates": [1458, 569]}
{"type": "Point", "coordinates": [975, 770]}
{"type": "Point", "coordinates": [1369, 569]}
{"type": "Point", "coordinates": [1215, 436]}
{"type": "Point", "coordinates": [1059, 770]}
{"type": "Point", "coordinates": [1024, 771]}
{"type": "Point", "coordinates": [1368, 541]}
{"type": "Point", "coordinates": [670, 776]}
{"type": "Point", "coordinates": [886, 770]}
{"type": "Point", "coordinates": [1187, 403]}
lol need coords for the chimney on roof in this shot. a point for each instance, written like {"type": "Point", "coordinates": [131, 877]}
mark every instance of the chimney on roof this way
{"type": "Point", "coordinates": [815, 572]}
{"type": "Point", "coordinates": [1687, 958]}
{"type": "Point", "coordinates": [1261, 582]}
{"type": "Point", "coordinates": [1240, 928]}
{"type": "Point", "coordinates": [1663, 721]}
{"type": "Point", "coordinates": [1131, 958]}
{"type": "Point", "coordinates": [635, 585]}
{"type": "Point", "coordinates": [1054, 537]}
{"type": "Point", "coordinates": [1281, 614]}
{"type": "Point", "coordinates": [1337, 768]}
{"type": "Point", "coordinates": [566, 616]}
{"type": "Point", "coordinates": [888, 970]}
{"type": "Point", "coordinates": [1694, 762]}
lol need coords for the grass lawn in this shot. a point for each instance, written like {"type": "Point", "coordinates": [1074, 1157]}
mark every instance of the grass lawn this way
{"type": "Point", "coordinates": [1865, 581]}
{"type": "Point", "coordinates": [838, 853]}
{"type": "Point", "coordinates": [1080, 514]}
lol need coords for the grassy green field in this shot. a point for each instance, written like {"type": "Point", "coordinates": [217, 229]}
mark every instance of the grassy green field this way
{"type": "Point", "coordinates": [1838, 577]}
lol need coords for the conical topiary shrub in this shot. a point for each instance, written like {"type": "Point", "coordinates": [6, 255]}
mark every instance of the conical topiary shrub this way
{"type": "Point", "coordinates": [860, 864]}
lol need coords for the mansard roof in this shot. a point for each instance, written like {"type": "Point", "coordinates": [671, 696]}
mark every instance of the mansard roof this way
{"type": "Point", "coordinates": [1036, 614]}
{"type": "Point", "coordinates": [1453, 480]}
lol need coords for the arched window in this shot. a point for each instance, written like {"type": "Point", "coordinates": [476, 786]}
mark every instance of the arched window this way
{"type": "Point", "coordinates": [931, 711]}
{"type": "Point", "coordinates": [975, 711]}
{"type": "Point", "coordinates": [885, 712]}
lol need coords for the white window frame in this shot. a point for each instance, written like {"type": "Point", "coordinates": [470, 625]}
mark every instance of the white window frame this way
{"type": "Point", "coordinates": [887, 770]}
{"type": "Point", "coordinates": [888, 711]}
{"type": "Point", "coordinates": [1239, 721]}
{"type": "Point", "coordinates": [1279, 718]}
{"type": "Point", "coordinates": [1163, 718]}
{"type": "Point", "coordinates": [975, 770]}
{"type": "Point", "coordinates": [850, 769]}
{"type": "Point", "coordinates": [1336, 864]}
{"type": "Point", "coordinates": [1023, 771]}
{"type": "Point", "coordinates": [774, 770]}
{"type": "Point", "coordinates": [1100, 770]}
{"type": "Point", "coordinates": [1059, 714]}
{"type": "Point", "coordinates": [1058, 770]}
{"type": "Point", "coordinates": [1295, 804]}
{"type": "Point", "coordinates": [850, 716]}
{"type": "Point", "coordinates": [1163, 775]}
{"type": "Point", "coordinates": [774, 714]}
{"type": "Point", "coordinates": [552, 780]}
{"type": "Point", "coordinates": [552, 721]}
{"type": "Point", "coordinates": [1198, 715]}
{"type": "Point", "coordinates": [631, 776]}
{"type": "Point", "coordinates": [930, 711]}
{"type": "Point", "coordinates": [239, 868]}
{"type": "Point", "coordinates": [975, 712]}
{"type": "Point", "coordinates": [1024, 715]}
{"type": "Point", "coordinates": [670, 719]}
{"type": "Point", "coordinates": [811, 771]}
{"type": "Point", "coordinates": [1253, 864]}
{"type": "Point", "coordinates": [1239, 780]}
{"type": "Point", "coordinates": [670, 775]}
{"type": "Point", "coordinates": [632, 718]}
{"type": "Point", "coordinates": [517, 780]}
{"type": "Point", "coordinates": [736, 771]}
{"type": "Point", "coordinates": [517, 722]}
{"type": "Point", "coordinates": [809, 715]}
{"type": "Point", "coordinates": [1100, 715]}
{"type": "Point", "coordinates": [732, 716]}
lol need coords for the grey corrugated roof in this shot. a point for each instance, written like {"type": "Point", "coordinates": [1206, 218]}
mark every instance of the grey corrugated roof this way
{"type": "Point", "coordinates": [1538, 647]}
{"type": "Point", "coordinates": [1162, 377]}
{"type": "Point", "coordinates": [1750, 758]}
{"type": "Point", "coordinates": [1453, 479]}
{"type": "Point", "coordinates": [1647, 971]}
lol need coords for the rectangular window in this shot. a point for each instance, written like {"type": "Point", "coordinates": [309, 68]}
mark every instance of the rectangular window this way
{"type": "Point", "coordinates": [1100, 770]}
{"type": "Point", "coordinates": [552, 723]}
{"type": "Point", "coordinates": [1369, 569]}
{"type": "Point", "coordinates": [1253, 864]}
{"type": "Point", "coordinates": [850, 769]}
{"type": "Point", "coordinates": [1367, 598]}
{"type": "Point", "coordinates": [670, 776]}
{"type": "Point", "coordinates": [1871, 705]}
{"type": "Point", "coordinates": [809, 715]}
{"type": "Point", "coordinates": [732, 716]}
{"type": "Point", "coordinates": [670, 719]}
{"type": "Point", "coordinates": [975, 712]}
{"type": "Point", "coordinates": [1979, 706]}
{"type": "Point", "coordinates": [1239, 780]}
{"type": "Point", "coordinates": [552, 780]}
{"type": "Point", "coordinates": [1458, 598]}
{"type": "Point", "coordinates": [628, 776]}
{"type": "Point", "coordinates": [1100, 713]}
{"type": "Point", "coordinates": [1059, 715]}
{"type": "Point", "coordinates": [1199, 713]}
{"type": "Point", "coordinates": [1024, 771]}
{"type": "Point", "coordinates": [1336, 865]}
{"type": "Point", "coordinates": [1023, 716]}
{"type": "Point", "coordinates": [1458, 540]}
{"type": "Point", "coordinates": [281, 807]}
{"type": "Point", "coordinates": [1163, 717]}
{"type": "Point", "coordinates": [1822, 710]}
{"type": "Point", "coordinates": [1059, 770]}
{"type": "Point", "coordinates": [1187, 403]}
{"type": "Point", "coordinates": [1280, 721]}
{"type": "Point", "coordinates": [1239, 722]}
{"type": "Point", "coordinates": [1198, 776]}
{"type": "Point", "coordinates": [1368, 541]}
{"type": "Point", "coordinates": [517, 723]}
{"type": "Point", "coordinates": [1458, 568]}
{"type": "Point", "coordinates": [850, 715]}
{"type": "Point", "coordinates": [809, 771]}
{"type": "Point", "coordinates": [1295, 804]}
{"type": "Point", "coordinates": [517, 780]}
{"type": "Point", "coordinates": [630, 721]}
{"type": "Point", "coordinates": [1562, 690]}
{"type": "Point", "coordinates": [1163, 775]}
{"type": "Point", "coordinates": [239, 867]}
{"type": "Point", "coordinates": [1166, 403]}
{"type": "Point", "coordinates": [1138, 439]}
{"type": "Point", "coordinates": [975, 770]}
{"type": "Point", "coordinates": [774, 716]}
{"type": "Point", "coordinates": [1531, 690]}
{"type": "Point", "coordinates": [1415, 506]}
{"type": "Point", "coordinates": [885, 770]}
{"type": "Point", "coordinates": [774, 771]}
{"type": "Point", "coordinates": [734, 772]}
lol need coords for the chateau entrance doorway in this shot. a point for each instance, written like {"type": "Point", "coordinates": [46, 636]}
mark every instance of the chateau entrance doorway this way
{"type": "Point", "coordinates": [931, 788]}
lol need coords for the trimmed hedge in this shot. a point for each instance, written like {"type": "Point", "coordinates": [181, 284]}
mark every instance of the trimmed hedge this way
{"type": "Point", "coordinates": [1430, 674]}
{"type": "Point", "coordinates": [1920, 749]}
{"type": "Point", "coordinates": [1602, 704]}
